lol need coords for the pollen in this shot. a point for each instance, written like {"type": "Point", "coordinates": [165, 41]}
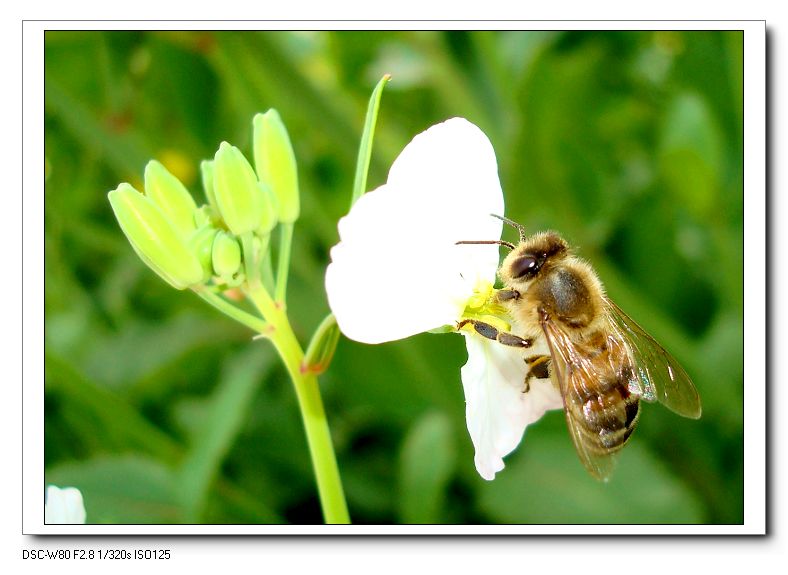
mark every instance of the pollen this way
{"type": "Point", "coordinates": [482, 296]}
{"type": "Point", "coordinates": [483, 306]}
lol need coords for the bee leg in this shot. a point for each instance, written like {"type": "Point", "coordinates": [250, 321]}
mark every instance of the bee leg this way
{"type": "Point", "coordinates": [507, 294]}
{"type": "Point", "coordinates": [491, 332]}
{"type": "Point", "coordinates": [538, 368]}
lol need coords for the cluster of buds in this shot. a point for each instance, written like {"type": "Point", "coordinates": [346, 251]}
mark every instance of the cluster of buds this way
{"type": "Point", "coordinates": [224, 240]}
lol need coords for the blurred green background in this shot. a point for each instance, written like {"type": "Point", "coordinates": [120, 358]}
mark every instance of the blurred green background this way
{"type": "Point", "coordinates": [163, 411]}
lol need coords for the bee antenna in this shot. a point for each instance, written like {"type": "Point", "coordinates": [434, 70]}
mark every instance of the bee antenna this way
{"type": "Point", "coordinates": [509, 245]}
{"type": "Point", "coordinates": [520, 227]}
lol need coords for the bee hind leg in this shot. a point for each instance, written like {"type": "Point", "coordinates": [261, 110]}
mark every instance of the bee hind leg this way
{"type": "Point", "coordinates": [493, 333]}
{"type": "Point", "coordinates": [538, 367]}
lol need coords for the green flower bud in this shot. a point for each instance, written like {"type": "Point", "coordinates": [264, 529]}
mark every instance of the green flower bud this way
{"type": "Point", "coordinates": [155, 238]}
{"type": "Point", "coordinates": [236, 191]}
{"type": "Point", "coordinates": [276, 164]}
{"type": "Point", "coordinates": [226, 255]}
{"type": "Point", "coordinates": [201, 245]}
{"type": "Point", "coordinates": [268, 221]}
{"type": "Point", "coordinates": [321, 349]}
{"type": "Point", "coordinates": [171, 196]}
{"type": "Point", "coordinates": [206, 171]}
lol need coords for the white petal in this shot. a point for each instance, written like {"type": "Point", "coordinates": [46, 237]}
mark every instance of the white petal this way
{"type": "Point", "coordinates": [497, 411]}
{"type": "Point", "coordinates": [396, 271]}
{"type": "Point", "coordinates": [64, 506]}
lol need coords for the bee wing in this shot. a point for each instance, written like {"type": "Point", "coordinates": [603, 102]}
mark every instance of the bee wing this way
{"type": "Point", "coordinates": [573, 371]}
{"type": "Point", "coordinates": [658, 376]}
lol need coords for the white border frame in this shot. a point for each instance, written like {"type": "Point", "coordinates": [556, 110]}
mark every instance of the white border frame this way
{"type": "Point", "coordinates": [754, 287]}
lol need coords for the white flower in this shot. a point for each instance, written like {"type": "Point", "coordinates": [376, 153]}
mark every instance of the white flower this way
{"type": "Point", "coordinates": [397, 247]}
{"type": "Point", "coordinates": [496, 409]}
{"type": "Point", "coordinates": [397, 271]}
{"type": "Point", "coordinates": [64, 506]}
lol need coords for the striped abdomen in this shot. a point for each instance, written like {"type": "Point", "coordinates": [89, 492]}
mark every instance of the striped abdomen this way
{"type": "Point", "coordinates": [604, 410]}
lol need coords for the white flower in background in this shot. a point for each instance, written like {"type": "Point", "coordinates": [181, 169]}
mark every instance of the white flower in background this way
{"type": "Point", "coordinates": [397, 271]}
{"type": "Point", "coordinates": [63, 506]}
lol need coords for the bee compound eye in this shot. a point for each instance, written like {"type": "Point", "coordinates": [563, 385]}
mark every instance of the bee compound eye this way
{"type": "Point", "coordinates": [524, 266]}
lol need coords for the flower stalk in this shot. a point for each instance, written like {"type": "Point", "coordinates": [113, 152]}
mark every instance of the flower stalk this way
{"type": "Point", "coordinates": [221, 304]}
{"type": "Point", "coordinates": [285, 245]}
{"type": "Point", "coordinates": [321, 449]}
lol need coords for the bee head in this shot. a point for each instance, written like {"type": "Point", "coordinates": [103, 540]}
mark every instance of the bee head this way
{"type": "Point", "coordinates": [528, 258]}
{"type": "Point", "coordinates": [531, 256]}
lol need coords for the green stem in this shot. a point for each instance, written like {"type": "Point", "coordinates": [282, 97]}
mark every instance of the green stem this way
{"type": "Point", "coordinates": [266, 269]}
{"type": "Point", "coordinates": [285, 243]}
{"type": "Point", "coordinates": [239, 315]}
{"type": "Point", "coordinates": [251, 258]}
{"type": "Point", "coordinates": [321, 449]}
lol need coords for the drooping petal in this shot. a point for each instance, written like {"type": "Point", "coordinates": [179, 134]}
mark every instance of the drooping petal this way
{"type": "Point", "coordinates": [396, 270]}
{"type": "Point", "coordinates": [497, 411]}
{"type": "Point", "coordinates": [64, 506]}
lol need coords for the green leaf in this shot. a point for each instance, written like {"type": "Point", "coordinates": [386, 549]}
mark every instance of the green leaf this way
{"type": "Point", "coordinates": [546, 483]}
{"type": "Point", "coordinates": [691, 153]}
{"type": "Point", "coordinates": [426, 464]}
{"type": "Point", "coordinates": [722, 350]}
{"type": "Point", "coordinates": [365, 148]}
{"type": "Point", "coordinates": [124, 153]}
{"type": "Point", "coordinates": [226, 412]}
{"type": "Point", "coordinates": [122, 489]}
{"type": "Point", "coordinates": [146, 348]}
{"type": "Point", "coordinates": [259, 68]}
{"type": "Point", "coordinates": [93, 413]}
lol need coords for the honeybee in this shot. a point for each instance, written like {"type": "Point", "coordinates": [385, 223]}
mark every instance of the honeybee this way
{"type": "Point", "coordinates": [601, 361]}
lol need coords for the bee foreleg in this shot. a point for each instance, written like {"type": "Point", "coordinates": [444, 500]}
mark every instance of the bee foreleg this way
{"type": "Point", "coordinates": [538, 368]}
{"type": "Point", "coordinates": [491, 332]}
{"type": "Point", "coordinates": [507, 294]}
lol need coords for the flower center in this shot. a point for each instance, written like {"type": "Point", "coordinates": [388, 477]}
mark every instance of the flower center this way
{"type": "Point", "coordinates": [483, 306]}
